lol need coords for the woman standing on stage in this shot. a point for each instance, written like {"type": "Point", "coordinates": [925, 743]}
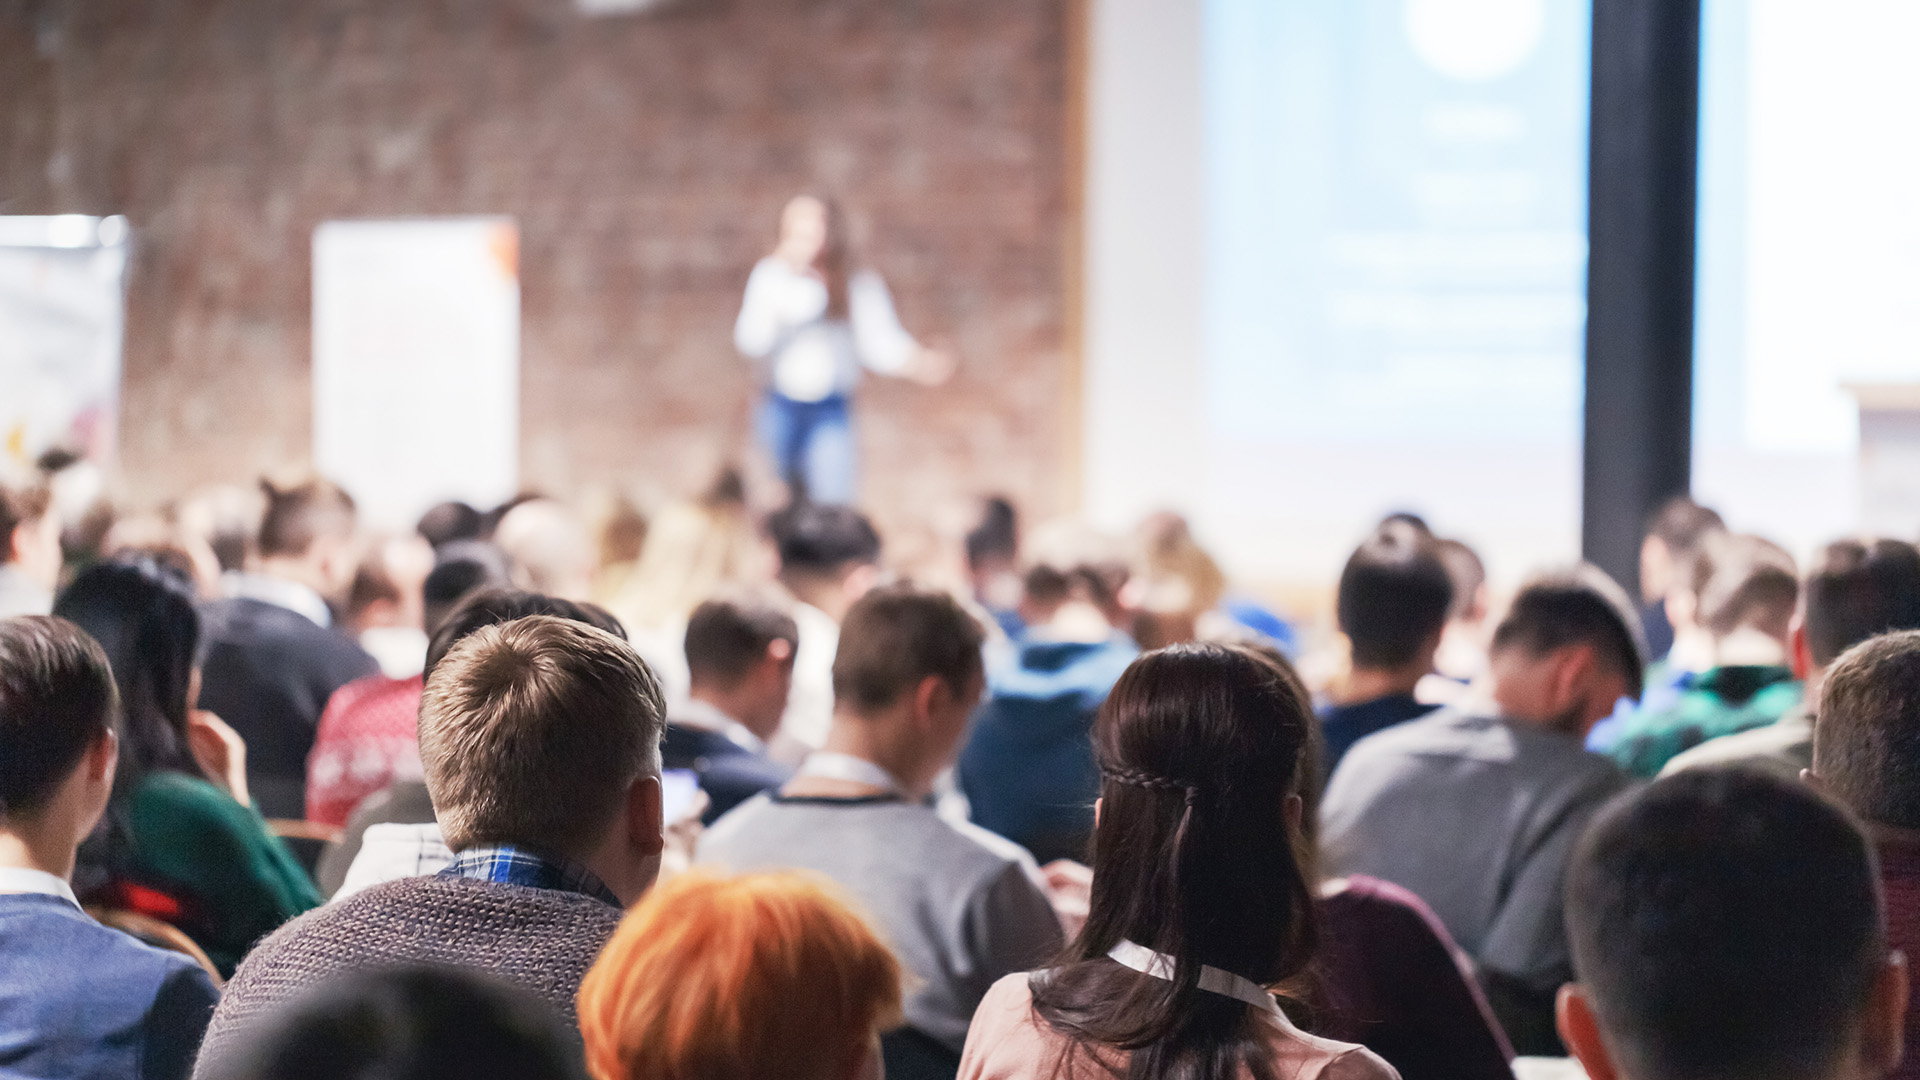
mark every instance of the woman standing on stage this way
{"type": "Point", "coordinates": [813, 324]}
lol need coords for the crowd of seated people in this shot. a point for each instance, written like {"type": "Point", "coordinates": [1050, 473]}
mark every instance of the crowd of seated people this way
{"type": "Point", "coordinates": [281, 797]}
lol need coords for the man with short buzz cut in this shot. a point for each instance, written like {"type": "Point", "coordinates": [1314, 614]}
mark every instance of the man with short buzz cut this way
{"type": "Point", "coordinates": [1726, 926]}
{"type": "Point", "coordinates": [1394, 599]}
{"type": "Point", "coordinates": [540, 741]}
{"type": "Point", "coordinates": [740, 658]}
{"type": "Point", "coordinates": [829, 558]}
{"type": "Point", "coordinates": [77, 1001]}
{"type": "Point", "coordinates": [1866, 753]}
{"type": "Point", "coordinates": [1475, 808]}
{"type": "Point", "coordinates": [962, 906]}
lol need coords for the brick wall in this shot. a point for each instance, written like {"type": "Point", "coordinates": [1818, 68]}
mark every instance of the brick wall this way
{"type": "Point", "coordinates": [645, 159]}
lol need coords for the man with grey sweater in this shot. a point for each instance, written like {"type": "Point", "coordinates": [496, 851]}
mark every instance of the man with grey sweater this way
{"type": "Point", "coordinates": [541, 743]}
{"type": "Point", "coordinates": [961, 906]}
{"type": "Point", "coordinates": [1477, 809]}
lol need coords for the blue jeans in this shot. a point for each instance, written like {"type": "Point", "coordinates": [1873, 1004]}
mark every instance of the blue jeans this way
{"type": "Point", "coordinates": [812, 445]}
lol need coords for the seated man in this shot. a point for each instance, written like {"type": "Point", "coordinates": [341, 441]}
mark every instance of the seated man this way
{"type": "Point", "coordinates": [1747, 610]}
{"type": "Point", "coordinates": [740, 659]}
{"type": "Point", "coordinates": [1854, 590]}
{"type": "Point", "coordinates": [1475, 809]}
{"type": "Point", "coordinates": [1395, 596]}
{"type": "Point", "coordinates": [1726, 926]}
{"type": "Point", "coordinates": [829, 557]}
{"type": "Point", "coordinates": [1866, 753]}
{"type": "Point", "coordinates": [540, 738]}
{"type": "Point", "coordinates": [77, 1000]}
{"type": "Point", "coordinates": [962, 906]}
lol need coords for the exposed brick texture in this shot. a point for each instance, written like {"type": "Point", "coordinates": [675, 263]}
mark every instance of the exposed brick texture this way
{"type": "Point", "coordinates": [645, 159]}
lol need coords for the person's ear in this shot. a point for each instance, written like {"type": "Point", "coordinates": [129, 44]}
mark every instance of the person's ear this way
{"type": "Point", "coordinates": [1097, 804]}
{"type": "Point", "coordinates": [1296, 810]}
{"type": "Point", "coordinates": [1884, 1037]}
{"type": "Point", "coordinates": [646, 815]}
{"type": "Point", "coordinates": [103, 758]}
{"type": "Point", "coordinates": [1580, 1030]}
{"type": "Point", "coordinates": [1812, 780]}
{"type": "Point", "coordinates": [1572, 668]}
{"type": "Point", "coordinates": [860, 580]}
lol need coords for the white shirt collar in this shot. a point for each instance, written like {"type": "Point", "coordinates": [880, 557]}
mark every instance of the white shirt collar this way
{"type": "Point", "coordinates": [833, 765]}
{"type": "Point", "coordinates": [280, 592]}
{"type": "Point", "coordinates": [706, 716]}
{"type": "Point", "coordinates": [1212, 979]}
{"type": "Point", "coordinates": [19, 879]}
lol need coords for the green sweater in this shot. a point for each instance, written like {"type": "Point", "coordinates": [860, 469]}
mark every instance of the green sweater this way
{"type": "Point", "coordinates": [1715, 703]}
{"type": "Point", "coordinates": [216, 855]}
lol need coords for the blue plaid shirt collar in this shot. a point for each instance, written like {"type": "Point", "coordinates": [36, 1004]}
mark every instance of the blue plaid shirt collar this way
{"type": "Point", "coordinates": [510, 865]}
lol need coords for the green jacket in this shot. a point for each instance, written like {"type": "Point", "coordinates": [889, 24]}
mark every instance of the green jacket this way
{"type": "Point", "coordinates": [1722, 701]}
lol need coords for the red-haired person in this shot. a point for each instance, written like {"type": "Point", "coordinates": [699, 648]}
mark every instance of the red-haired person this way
{"type": "Point", "coordinates": [729, 978]}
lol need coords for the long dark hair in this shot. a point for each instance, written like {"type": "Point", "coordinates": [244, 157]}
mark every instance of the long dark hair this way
{"type": "Point", "coordinates": [1200, 747]}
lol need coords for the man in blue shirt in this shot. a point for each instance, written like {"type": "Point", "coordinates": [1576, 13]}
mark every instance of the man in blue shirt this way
{"type": "Point", "coordinates": [77, 1000]}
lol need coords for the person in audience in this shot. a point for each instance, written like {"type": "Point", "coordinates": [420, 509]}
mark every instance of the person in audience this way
{"type": "Point", "coordinates": [961, 906]}
{"type": "Point", "coordinates": [183, 842]}
{"type": "Point", "coordinates": [829, 557]}
{"type": "Point", "coordinates": [227, 518]}
{"type": "Point", "coordinates": [739, 978]}
{"type": "Point", "coordinates": [1200, 904]}
{"type": "Point", "coordinates": [78, 1001]}
{"type": "Point", "coordinates": [1748, 608]}
{"type": "Point", "coordinates": [551, 551]}
{"type": "Point", "coordinates": [740, 652]}
{"type": "Point", "coordinates": [167, 543]}
{"type": "Point", "coordinates": [1475, 809]}
{"type": "Point", "coordinates": [1027, 769]}
{"type": "Point", "coordinates": [272, 655]}
{"type": "Point", "coordinates": [1394, 599]}
{"type": "Point", "coordinates": [541, 741]}
{"type": "Point", "coordinates": [407, 1024]}
{"type": "Point", "coordinates": [1866, 753]}
{"type": "Point", "coordinates": [993, 562]}
{"type": "Point", "coordinates": [383, 611]}
{"type": "Point", "coordinates": [1675, 533]}
{"type": "Point", "coordinates": [1463, 645]}
{"type": "Point", "coordinates": [1726, 925]}
{"type": "Point", "coordinates": [1854, 589]}
{"type": "Point", "coordinates": [367, 737]}
{"type": "Point", "coordinates": [29, 546]}
{"type": "Point", "coordinates": [450, 522]}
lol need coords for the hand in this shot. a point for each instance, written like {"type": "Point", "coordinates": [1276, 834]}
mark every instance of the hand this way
{"type": "Point", "coordinates": [221, 753]}
{"type": "Point", "coordinates": [1070, 888]}
{"type": "Point", "coordinates": [932, 367]}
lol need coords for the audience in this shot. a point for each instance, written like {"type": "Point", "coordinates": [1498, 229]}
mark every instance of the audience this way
{"type": "Point", "coordinates": [1394, 600]}
{"type": "Point", "coordinates": [1675, 533]}
{"type": "Point", "coordinates": [540, 739]}
{"type": "Point", "coordinates": [272, 656]}
{"type": "Point", "coordinates": [1200, 901]}
{"type": "Point", "coordinates": [551, 551]}
{"type": "Point", "coordinates": [993, 562]}
{"type": "Point", "coordinates": [740, 655]}
{"type": "Point", "coordinates": [407, 1024]}
{"type": "Point", "coordinates": [829, 557]}
{"type": "Point", "coordinates": [737, 979]}
{"type": "Point", "coordinates": [182, 841]}
{"type": "Point", "coordinates": [383, 611]}
{"type": "Point", "coordinates": [961, 906]}
{"type": "Point", "coordinates": [1027, 770]}
{"type": "Point", "coordinates": [1463, 645]}
{"type": "Point", "coordinates": [1727, 926]}
{"type": "Point", "coordinates": [29, 546]}
{"type": "Point", "coordinates": [1866, 753]}
{"type": "Point", "coordinates": [450, 522]}
{"type": "Point", "coordinates": [1475, 809]}
{"type": "Point", "coordinates": [1854, 590]}
{"type": "Point", "coordinates": [77, 1001]}
{"type": "Point", "coordinates": [1747, 608]}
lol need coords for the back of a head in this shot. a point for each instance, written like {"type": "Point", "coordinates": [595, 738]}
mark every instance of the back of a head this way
{"type": "Point", "coordinates": [488, 606]}
{"type": "Point", "coordinates": [1754, 585]}
{"type": "Point", "coordinates": [897, 635]}
{"type": "Point", "coordinates": [996, 536]}
{"type": "Point", "coordinates": [817, 539]}
{"type": "Point", "coordinates": [227, 518]}
{"type": "Point", "coordinates": [531, 732]}
{"type": "Point", "coordinates": [1866, 745]}
{"type": "Point", "coordinates": [1577, 606]}
{"type": "Point", "coordinates": [1395, 596]}
{"type": "Point", "coordinates": [24, 497]}
{"type": "Point", "coordinates": [713, 978]}
{"type": "Point", "coordinates": [300, 513]}
{"type": "Point", "coordinates": [56, 698]}
{"type": "Point", "coordinates": [1066, 560]}
{"type": "Point", "coordinates": [1199, 746]}
{"type": "Point", "coordinates": [1724, 925]}
{"type": "Point", "coordinates": [449, 522]}
{"type": "Point", "coordinates": [144, 618]}
{"type": "Point", "coordinates": [1680, 524]}
{"type": "Point", "coordinates": [407, 1024]}
{"type": "Point", "coordinates": [549, 546]}
{"type": "Point", "coordinates": [728, 636]}
{"type": "Point", "coordinates": [461, 568]}
{"type": "Point", "coordinates": [1856, 589]}
{"type": "Point", "coordinates": [1469, 576]}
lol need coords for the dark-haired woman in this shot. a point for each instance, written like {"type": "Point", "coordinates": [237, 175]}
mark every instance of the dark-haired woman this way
{"type": "Point", "coordinates": [180, 840]}
{"type": "Point", "coordinates": [1200, 900]}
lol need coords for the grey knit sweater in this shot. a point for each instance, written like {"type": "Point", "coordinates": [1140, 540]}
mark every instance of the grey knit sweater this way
{"type": "Point", "coordinates": [541, 939]}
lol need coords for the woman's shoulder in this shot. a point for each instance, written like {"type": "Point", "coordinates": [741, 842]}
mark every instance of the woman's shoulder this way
{"type": "Point", "coordinates": [178, 795]}
{"type": "Point", "coordinates": [1358, 1063]}
{"type": "Point", "coordinates": [1006, 1039]}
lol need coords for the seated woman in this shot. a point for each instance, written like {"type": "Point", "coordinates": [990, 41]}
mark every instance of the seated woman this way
{"type": "Point", "coordinates": [180, 840]}
{"type": "Point", "coordinates": [1200, 902]}
{"type": "Point", "coordinates": [716, 978]}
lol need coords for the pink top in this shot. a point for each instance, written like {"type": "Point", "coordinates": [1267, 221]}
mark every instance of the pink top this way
{"type": "Point", "coordinates": [368, 738]}
{"type": "Point", "coordinates": [1008, 1041]}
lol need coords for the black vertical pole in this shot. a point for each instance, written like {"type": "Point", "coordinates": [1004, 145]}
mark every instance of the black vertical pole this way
{"type": "Point", "coordinates": [1640, 229]}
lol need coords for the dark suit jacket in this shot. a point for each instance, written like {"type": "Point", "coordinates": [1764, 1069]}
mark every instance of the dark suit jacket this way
{"type": "Point", "coordinates": [269, 672]}
{"type": "Point", "coordinates": [729, 773]}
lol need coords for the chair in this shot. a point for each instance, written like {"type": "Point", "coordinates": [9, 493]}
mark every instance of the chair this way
{"type": "Point", "coordinates": [308, 840]}
{"type": "Point", "coordinates": [151, 931]}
